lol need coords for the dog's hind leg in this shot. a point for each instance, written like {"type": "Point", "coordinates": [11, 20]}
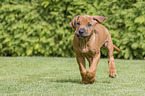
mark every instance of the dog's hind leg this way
{"type": "Point", "coordinates": [110, 48]}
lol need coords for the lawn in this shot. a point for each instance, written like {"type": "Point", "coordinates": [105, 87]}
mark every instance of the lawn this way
{"type": "Point", "coordinates": [52, 76]}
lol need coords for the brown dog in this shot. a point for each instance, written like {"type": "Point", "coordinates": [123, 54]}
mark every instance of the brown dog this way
{"type": "Point", "coordinates": [89, 37]}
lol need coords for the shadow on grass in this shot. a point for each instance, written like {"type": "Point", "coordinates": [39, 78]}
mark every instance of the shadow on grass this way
{"type": "Point", "coordinates": [77, 81]}
{"type": "Point", "coordinates": [107, 82]}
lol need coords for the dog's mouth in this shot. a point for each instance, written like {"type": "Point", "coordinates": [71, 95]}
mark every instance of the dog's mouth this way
{"type": "Point", "coordinates": [82, 33]}
{"type": "Point", "coordinates": [81, 36]}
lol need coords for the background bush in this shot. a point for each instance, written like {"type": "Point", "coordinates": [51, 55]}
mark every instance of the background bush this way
{"type": "Point", "coordinates": [41, 27]}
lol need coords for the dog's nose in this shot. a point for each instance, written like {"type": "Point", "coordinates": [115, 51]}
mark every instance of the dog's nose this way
{"type": "Point", "coordinates": [81, 31]}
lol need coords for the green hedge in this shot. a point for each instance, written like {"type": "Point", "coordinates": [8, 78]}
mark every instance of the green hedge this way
{"type": "Point", "coordinates": [41, 28]}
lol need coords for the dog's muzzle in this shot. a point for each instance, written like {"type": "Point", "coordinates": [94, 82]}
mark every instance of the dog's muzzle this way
{"type": "Point", "coordinates": [81, 33]}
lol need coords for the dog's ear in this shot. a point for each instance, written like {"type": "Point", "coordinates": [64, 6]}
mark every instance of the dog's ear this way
{"type": "Point", "coordinates": [73, 22]}
{"type": "Point", "coordinates": [99, 19]}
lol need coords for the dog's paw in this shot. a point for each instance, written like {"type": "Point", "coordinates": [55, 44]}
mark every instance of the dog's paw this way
{"type": "Point", "coordinates": [90, 75]}
{"type": "Point", "coordinates": [113, 76]}
{"type": "Point", "coordinates": [88, 81]}
{"type": "Point", "coordinates": [89, 78]}
{"type": "Point", "coordinates": [85, 82]}
{"type": "Point", "coordinates": [112, 73]}
{"type": "Point", "coordinates": [91, 81]}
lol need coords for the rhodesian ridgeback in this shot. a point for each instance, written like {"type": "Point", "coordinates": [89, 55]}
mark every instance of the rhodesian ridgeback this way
{"type": "Point", "coordinates": [90, 36]}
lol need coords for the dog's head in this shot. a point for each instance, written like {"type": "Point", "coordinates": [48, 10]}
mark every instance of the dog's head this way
{"type": "Point", "coordinates": [84, 25]}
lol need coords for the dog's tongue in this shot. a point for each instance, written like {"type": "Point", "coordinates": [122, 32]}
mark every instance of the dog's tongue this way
{"type": "Point", "coordinates": [81, 37]}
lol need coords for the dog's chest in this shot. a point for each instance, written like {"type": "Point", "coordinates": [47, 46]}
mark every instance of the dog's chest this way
{"type": "Point", "coordinates": [87, 50]}
{"type": "Point", "coordinates": [84, 49]}
{"type": "Point", "coordinates": [85, 46]}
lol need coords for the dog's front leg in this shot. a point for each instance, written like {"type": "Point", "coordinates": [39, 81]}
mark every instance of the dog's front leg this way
{"type": "Point", "coordinates": [91, 74]}
{"type": "Point", "coordinates": [82, 67]}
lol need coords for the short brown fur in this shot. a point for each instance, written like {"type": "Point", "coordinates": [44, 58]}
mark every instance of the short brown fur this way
{"type": "Point", "coordinates": [89, 37]}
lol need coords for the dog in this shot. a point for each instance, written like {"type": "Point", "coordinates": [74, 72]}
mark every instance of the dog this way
{"type": "Point", "coordinates": [90, 36]}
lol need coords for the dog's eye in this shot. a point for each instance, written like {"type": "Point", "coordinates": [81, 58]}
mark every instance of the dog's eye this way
{"type": "Point", "coordinates": [78, 23]}
{"type": "Point", "coordinates": [89, 25]}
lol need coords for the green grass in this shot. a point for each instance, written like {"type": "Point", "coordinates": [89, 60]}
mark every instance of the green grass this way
{"type": "Point", "coordinates": [45, 76]}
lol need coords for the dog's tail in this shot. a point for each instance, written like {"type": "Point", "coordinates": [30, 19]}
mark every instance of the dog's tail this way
{"type": "Point", "coordinates": [116, 48]}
